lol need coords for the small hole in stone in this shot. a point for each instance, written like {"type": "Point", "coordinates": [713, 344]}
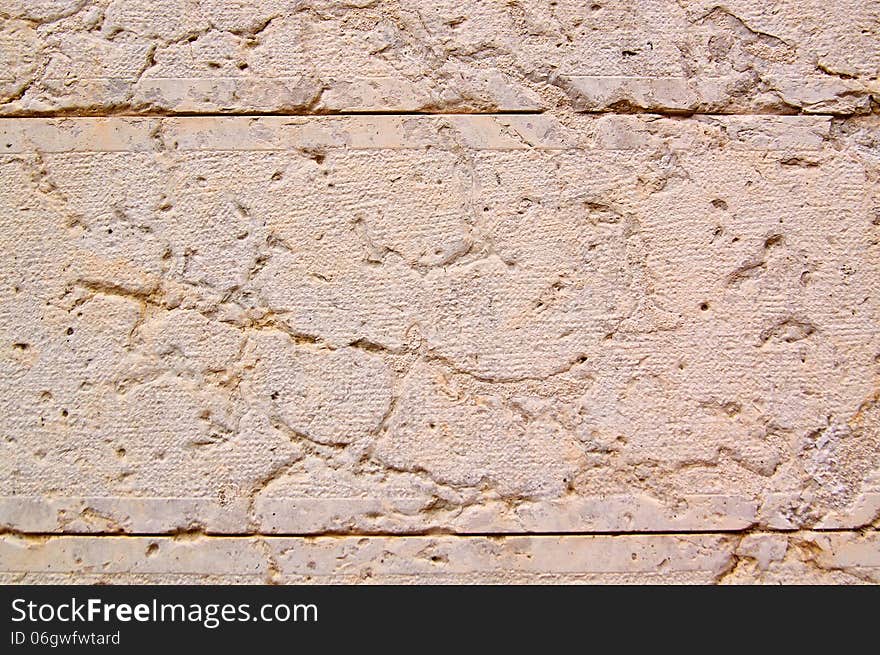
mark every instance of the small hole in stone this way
{"type": "Point", "coordinates": [64, 413]}
{"type": "Point", "coordinates": [69, 331]}
{"type": "Point", "coordinates": [772, 240]}
{"type": "Point", "coordinates": [704, 306]}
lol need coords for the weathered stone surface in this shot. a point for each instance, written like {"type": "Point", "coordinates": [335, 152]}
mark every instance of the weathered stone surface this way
{"type": "Point", "coordinates": [606, 270]}
{"type": "Point", "coordinates": [423, 55]}
{"type": "Point", "coordinates": [768, 558]}
{"type": "Point", "coordinates": [473, 323]}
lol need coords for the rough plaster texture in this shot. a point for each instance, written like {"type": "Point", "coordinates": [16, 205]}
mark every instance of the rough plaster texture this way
{"type": "Point", "coordinates": [603, 271]}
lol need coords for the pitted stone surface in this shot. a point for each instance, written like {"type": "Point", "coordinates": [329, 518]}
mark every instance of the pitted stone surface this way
{"type": "Point", "coordinates": [484, 323]}
{"type": "Point", "coordinates": [288, 287]}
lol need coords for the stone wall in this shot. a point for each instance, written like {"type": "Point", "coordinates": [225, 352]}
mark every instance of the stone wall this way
{"type": "Point", "coordinates": [427, 291]}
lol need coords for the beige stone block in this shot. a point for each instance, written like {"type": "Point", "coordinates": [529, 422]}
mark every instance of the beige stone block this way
{"type": "Point", "coordinates": [476, 324]}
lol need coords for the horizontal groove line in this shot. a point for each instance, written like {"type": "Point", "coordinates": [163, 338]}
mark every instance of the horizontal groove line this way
{"type": "Point", "coordinates": [400, 535]}
{"type": "Point", "coordinates": [247, 114]}
{"type": "Point", "coordinates": [672, 113]}
{"type": "Point", "coordinates": [513, 112]}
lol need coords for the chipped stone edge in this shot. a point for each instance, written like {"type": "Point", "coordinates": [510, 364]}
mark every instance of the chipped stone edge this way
{"type": "Point", "coordinates": [725, 95]}
{"type": "Point", "coordinates": [818, 94]}
{"type": "Point", "coordinates": [249, 93]}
